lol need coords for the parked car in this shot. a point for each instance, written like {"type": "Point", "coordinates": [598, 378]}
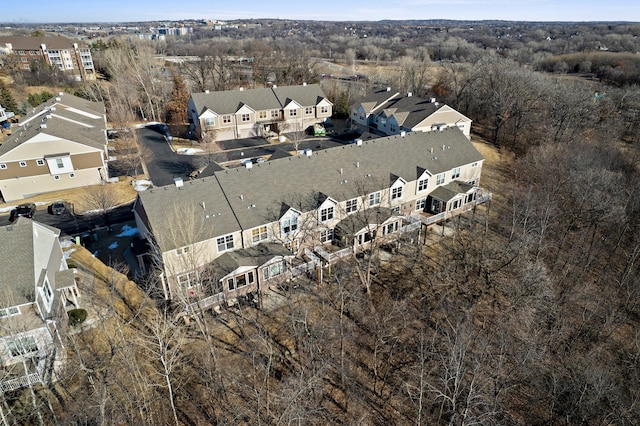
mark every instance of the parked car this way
{"type": "Point", "coordinates": [23, 210]}
{"type": "Point", "coordinates": [58, 207]}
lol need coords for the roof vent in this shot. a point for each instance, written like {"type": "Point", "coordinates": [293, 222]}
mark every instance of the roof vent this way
{"type": "Point", "coordinates": [308, 152]}
{"type": "Point", "coordinates": [403, 134]}
{"type": "Point", "coordinates": [241, 89]}
{"type": "Point", "coordinates": [431, 150]}
{"type": "Point", "coordinates": [432, 100]}
{"type": "Point", "coordinates": [60, 93]}
{"type": "Point", "coordinates": [358, 142]}
{"type": "Point", "coordinates": [58, 99]}
{"type": "Point", "coordinates": [248, 164]}
{"type": "Point", "coordinates": [241, 197]}
{"type": "Point", "coordinates": [357, 164]}
{"type": "Point", "coordinates": [178, 182]}
{"type": "Point", "coordinates": [409, 94]}
{"type": "Point", "coordinates": [444, 147]}
{"type": "Point", "coordinates": [206, 91]}
{"type": "Point", "coordinates": [388, 89]}
{"type": "Point", "coordinates": [274, 86]}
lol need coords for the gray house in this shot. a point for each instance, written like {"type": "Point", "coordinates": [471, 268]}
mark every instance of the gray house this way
{"type": "Point", "coordinates": [238, 114]}
{"type": "Point", "coordinates": [249, 228]}
{"type": "Point", "coordinates": [36, 292]}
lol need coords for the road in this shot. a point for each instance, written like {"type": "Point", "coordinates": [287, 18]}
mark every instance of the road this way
{"type": "Point", "coordinates": [71, 224]}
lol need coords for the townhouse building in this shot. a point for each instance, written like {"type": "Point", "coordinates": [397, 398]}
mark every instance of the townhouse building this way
{"type": "Point", "coordinates": [385, 112]}
{"type": "Point", "coordinates": [246, 229]}
{"type": "Point", "coordinates": [59, 145]}
{"type": "Point", "coordinates": [33, 302]}
{"type": "Point", "coordinates": [238, 114]}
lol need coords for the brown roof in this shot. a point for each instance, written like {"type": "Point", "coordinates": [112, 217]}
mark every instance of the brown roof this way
{"type": "Point", "coordinates": [34, 43]}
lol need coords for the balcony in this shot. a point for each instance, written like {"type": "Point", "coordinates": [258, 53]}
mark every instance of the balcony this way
{"type": "Point", "coordinates": [20, 382]}
{"type": "Point", "coordinates": [430, 219]}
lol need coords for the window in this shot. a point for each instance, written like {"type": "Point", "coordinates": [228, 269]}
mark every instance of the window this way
{"type": "Point", "coordinates": [352, 205]}
{"type": "Point", "coordinates": [262, 115]}
{"type": "Point", "coordinates": [326, 214]}
{"type": "Point", "coordinates": [423, 184]}
{"type": "Point", "coordinates": [293, 113]}
{"type": "Point", "coordinates": [293, 246]}
{"type": "Point", "coordinates": [210, 121]}
{"type": "Point", "coordinates": [238, 281]}
{"type": "Point", "coordinates": [440, 179]}
{"type": "Point", "coordinates": [8, 312]}
{"type": "Point", "coordinates": [421, 204]}
{"type": "Point", "coordinates": [245, 118]}
{"type": "Point", "coordinates": [259, 234]}
{"type": "Point", "coordinates": [225, 243]}
{"type": "Point", "coordinates": [308, 111]}
{"type": "Point", "coordinates": [326, 236]}
{"type": "Point", "coordinates": [188, 280]}
{"type": "Point", "coordinates": [3, 166]}
{"type": "Point", "coordinates": [325, 110]}
{"type": "Point", "coordinates": [59, 163]}
{"type": "Point", "coordinates": [183, 250]}
{"type": "Point", "coordinates": [272, 271]}
{"type": "Point", "coordinates": [374, 199]}
{"type": "Point", "coordinates": [22, 345]}
{"type": "Point", "coordinates": [23, 163]}
{"type": "Point", "coordinates": [275, 113]}
{"type": "Point", "coordinates": [396, 209]}
{"type": "Point", "coordinates": [396, 192]}
{"type": "Point", "coordinates": [455, 173]}
{"type": "Point", "coordinates": [289, 224]}
{"type": "Point", "coordinates": [40, 162]}
{"type": "Point", "coordinates": [47, 293]}
{"type": "Point", "coordinates": [226, 119]}
{"type": "Point", "coordinates": [389, 228]}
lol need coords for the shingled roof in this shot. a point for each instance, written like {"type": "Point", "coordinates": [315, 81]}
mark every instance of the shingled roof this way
{"type": "Point", "coordinates": [244, 198]}
{"type": "Point", "coordinates": [230, 101]}
{"type": "Point", "coordinates": [34, 43]}
{"type": "Point", "coordinates": [66, 117]}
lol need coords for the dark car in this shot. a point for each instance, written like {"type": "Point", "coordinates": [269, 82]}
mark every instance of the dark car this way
{"type": "Point", "coordinates": [57, 207]}
{"type": "Point", "coordinates": [23, 210]}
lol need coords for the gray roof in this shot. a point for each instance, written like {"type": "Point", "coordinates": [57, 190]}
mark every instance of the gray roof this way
{"type": "Point", "coordinates": [230, 101]}
{"type": "Point", "coordinates": [247, 198]}
{"type": "Point", "coordinates": [68, 121]}
{"type": "Point", "coordinates": [410, 110]}
{"type": "Point", "coordinates": [33, 43]}
{"type": "Point", "coordinates": [254, 256]}
{"type": "Point", "coordinates": [377, 98]}
{"type": "Point", "coordinates": [17, 264]}
{"type": "Point", "coordinates": [360, 220]}
{"type": "Point", "coordinates": [450, 190]}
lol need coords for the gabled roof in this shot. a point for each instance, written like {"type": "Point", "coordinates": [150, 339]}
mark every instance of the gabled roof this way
{"type": "Point", "coordinates": [247, 198]}
{"type": "Point", "coordinates": [230, 101]}
{"type": "Point", "coordinates": [374, 100]}
{"type": "Point", "coordinates": [358, 221]}
{"type": "Point", "coordinates": [410, 110]}
{"type": "Point", "coordinates": [25, 249]}
{"type": "Point", "coordinates": [253, 256]}
{"type": "Point", "coordinates": [450, 190]}
{"type": "Point", "coordinates": [66, 117]}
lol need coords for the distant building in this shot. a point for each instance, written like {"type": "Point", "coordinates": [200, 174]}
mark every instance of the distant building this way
{"type": "Point", "coordinates": [70, 56]}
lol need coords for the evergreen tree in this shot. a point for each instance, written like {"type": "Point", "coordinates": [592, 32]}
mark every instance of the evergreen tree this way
{"type": "Point", "coordinates": [7, 100]}
{"type": "Point", "coordinates": [176, 110]}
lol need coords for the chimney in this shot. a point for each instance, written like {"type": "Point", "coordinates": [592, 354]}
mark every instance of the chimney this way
{"type": "Point", "coordinates": [178, 182]}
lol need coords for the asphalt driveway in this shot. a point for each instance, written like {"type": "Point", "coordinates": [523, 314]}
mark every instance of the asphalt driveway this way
{"type": "Point", "coordinates": [163, 164]}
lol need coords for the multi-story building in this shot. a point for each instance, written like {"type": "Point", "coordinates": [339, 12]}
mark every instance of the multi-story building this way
{"type": "Point", "coordinates": [385, 112]}
{"type": "Point", "coordinates": [241, 230]}
{"type": "Point", "coordinates": [70, 56]}
{"type": "Point", "coordinates": [238, 114]}
{"type": "Point", "coordinates": [37, 291]}
{"type": "Point", "coordinates": [61, 144]}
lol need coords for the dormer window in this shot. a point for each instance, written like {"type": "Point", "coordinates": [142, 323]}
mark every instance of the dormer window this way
{"type": "Point", "coordinates": [440, 179]}
{"type": "Point", "coordinates": [324, 109]}
{"type": "Point", "coordinates": [423, 184]}
{"type": "Point", "coordinates": [455, 173]}
{"type": "Point", "coordinates": [308, 111]}
{"type": "Point", "coordinates": [374, 199]}
{"type": "Point", "coordinates": [293, 113]}
{"type": "Point", "coordinates": [259, 234]}
{"type": "Point", "coordinates": [289, 224]}
{"type": "Point", "coordinates": [210, 121]}
{"type": "Point", "coordinates": [327, 213]}
{"type": "Point", "coordinates": [396, 193]}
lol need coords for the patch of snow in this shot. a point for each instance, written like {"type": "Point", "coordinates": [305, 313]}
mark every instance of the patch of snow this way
{"type": "Point", "coordinates": [128, 231]}
{"type": "Point", "coordinates": [189, 151]}
{"type": "Point", "coordinates": [141, 184]}
{"type": "Point", "coordinates": [113, 245]}
{"type": "Point", "coordinates": [67, 243]}
{"type": "Point", "coordinates": [95, 253]}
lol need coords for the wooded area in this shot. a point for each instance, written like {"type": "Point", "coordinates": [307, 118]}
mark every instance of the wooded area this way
{"type": "Point", "coordinates": [526, 313]}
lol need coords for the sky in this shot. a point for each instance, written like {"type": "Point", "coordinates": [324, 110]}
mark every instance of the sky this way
{"type": "Point", "coordinates": [65, 11]}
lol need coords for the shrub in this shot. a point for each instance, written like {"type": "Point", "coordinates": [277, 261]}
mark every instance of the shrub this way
{"type": "Point", "coordinates": [77, 316]}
